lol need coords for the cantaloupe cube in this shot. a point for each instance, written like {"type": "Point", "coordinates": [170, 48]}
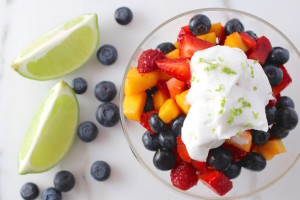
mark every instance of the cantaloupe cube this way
{"type": "Point", "coordinates": [133, 105]}
{"type": "Point", "coordinates": [270, 149]}
{"type": "Point", "coordinates": [173, 54]}
{"type": "Point", "coordinates": [136, 82]}
{"type": "Point", "coordinates": [181, 102]}
{"type": "Point", "coordinates": [209, 37]}
{"type": "Point", "coordinates": [266, 154]}
{"type": "Point", "coordinates": [216, 28]}
{"type": "Point", "coordinates": [158, 99]}
{"type": "Point", "coordinates": [235, 40]}
{"type": "Point", "coordinates": [242, 141]}
{"type": "Point", "coordinates": [168, 111]}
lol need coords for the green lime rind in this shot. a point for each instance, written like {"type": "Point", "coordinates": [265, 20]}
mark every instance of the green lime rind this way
{"type": "Point", "coordinates": [61, 51]}
{"type": "Point", "coordinates": [51, 132]}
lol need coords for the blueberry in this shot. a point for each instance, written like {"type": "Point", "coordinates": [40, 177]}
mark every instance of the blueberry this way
{"type": "Point", "coordinates": [107, 54]}
{"type": "Point", "coordinates": [219, 158]}
{"type": "Point", "coordinates": [167, 139]}
{"type": "Point", "coordinates": [87, 131]}
{"type": "Point", "coordinates": [199, 24]}
{"type": "Point", "coordinates": [278, 56]}
{"type": "Point", "coordinates": [150, 141]}
{"type": "Point", "coordinates": [149, 104]}
{"type": "Point", "coordinates": [151, 91]}
{"type": "Point", "coordinates": [285, 101]}
{"type": "Point", "coordinates": [64, 181]}
{"type": "Point", "coordinates": [286, 118]}
{"type": "Point", "coordinates": [156, 124]}
{"type": "Point", "coordinates": [123, 15]}
{"type": "Point", "coordinates": [107, 114]}
{"type": "Point", "coordinates": [166, 47]}
{"type": "Point", "coordinates": [260, 137]}
{"type": "Point", "coordinates": [177, 124]}
{"type": "Point", "coordinates": [274, 74]}
{"type": "Point", "coordinates": [51, 194]}
{"type": "Point", "coordinates": [164, 159]}
{"type": "Point", "coordinates": [270, 113]}
{"type": "Point", "coordinates": [29, 191]}
{"type": "Point", "coordinates": [233, 25]}
{"type": "Point", "coordinates": [233, 171]}
{"type": "Point", "coordinates": [254, 162]}
{"type": "Point", "coordinates": [100, 170]}
{"type": "Point", "coordinates": [105, 91]}
{"type": "Point", "coordinates": [251, 34]}
{"type": "Point", "coordinates": [79, 85]}
{"type": "Point", "coordinates": [276, 132]}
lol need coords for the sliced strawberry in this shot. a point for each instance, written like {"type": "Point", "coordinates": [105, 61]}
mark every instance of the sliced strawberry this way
{"type": "Point", "coordinates": [175, 87]}
{"type": "Point", "coordinates": [248, 41]}
{"type": "Point", "coordinates": [179, 68]}
{"type": "Point", "coordinates": [262, 50]}
{"type": "Point", "coordinates": [185, 30]}
{"type": "Point", "coordinates": [201, 167]}
{"type": "Point", "coordinates": [217, 181]}
{"type": "Point", "coordinates": [284, 83]}
{"type": "Point", "coordinates": [222, 37]}
{"type": "Point", "coordinates": [162, 86]}
{"type": "Point", "coordinates": [189, 44]}
{"type": "Point", "coordinates": [182, 151]}
{"type": "Point", "coordinates": [145, 118]}
{"type": "Point", "coordinates": [184, 176]}
{"type": "Point", "coordinates": [236, 153]}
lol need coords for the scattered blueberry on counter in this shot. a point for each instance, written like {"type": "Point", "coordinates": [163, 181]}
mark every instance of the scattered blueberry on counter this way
{"type": "Point", "coordinates": [100, 170]}
{"type": "Point", "coordinates": [107, 54]}
{"type": "Point", "coordinates": [79, 85]}
{"type": "Point", "coordinates": [29, 191]}
{"type": "Point", "coordinates": [64, 181]}
{"type": "Point", "coordinates": [123, 15]}
{"type": "Point", "coordinates": [105, 91]}
{"type": "Point", "coordinates": [107, 114]}
{"type": "Point", "coordinates": [51, 194]}
{"type": "Point", "coordinates": [87, 131]}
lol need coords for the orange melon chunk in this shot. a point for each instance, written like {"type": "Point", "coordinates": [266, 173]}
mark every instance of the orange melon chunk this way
{"type": "Point", "coordinates": [158, 99]}
{"type": "Point", "coordinates": [133, 105]}
{"type": "Point", "coordinates": [270, 149]}
{"type": "Point", "coordinates": [209, 37]}
{"type": "Point", "coordinates": [242, 141]}
{"type": "Point", "coordinates": [169, 111]}
{"type": "Point", "coordinates": [235, 40]}
{"type": "Point", "coordinates": [181, 102]}
{"type": "Point", "coordinates": [173, 54]}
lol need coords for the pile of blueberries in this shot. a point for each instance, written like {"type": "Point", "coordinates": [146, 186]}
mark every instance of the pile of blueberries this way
{"type": "Point", "coordinates": [107, 114]}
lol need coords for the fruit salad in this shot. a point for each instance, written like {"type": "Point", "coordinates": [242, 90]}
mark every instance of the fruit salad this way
{"type": "Point", "coordinates": [211, 103]}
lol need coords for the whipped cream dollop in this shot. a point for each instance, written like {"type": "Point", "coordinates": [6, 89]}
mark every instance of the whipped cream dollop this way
{"type": "Point", "coordinates": [228, 95]}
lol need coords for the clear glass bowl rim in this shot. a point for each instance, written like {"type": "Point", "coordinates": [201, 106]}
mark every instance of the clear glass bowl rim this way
{"type": "Point", "coordinates": [122, 117]}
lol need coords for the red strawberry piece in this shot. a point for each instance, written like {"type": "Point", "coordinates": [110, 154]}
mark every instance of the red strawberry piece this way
{"type": "Point", "coordinates": [236, 153]}
{"type": "Point", "coordinates": [162, 86]}
{"type": "Point", "coordinates": [248, 41]}
{"type": "Point", "coordinates": [217, 181]}
{"type": "Point", "coordinates": [222, 37]}
{"type": "Point", "coordinates": [272, 103]}
{"type": "Point", "coordinates": [184, 176]}
{"type": "Point", "coordinates": [185, 30]}
{"type": "Point", "coordinates": [178, 68]}
{"type": "Point", "coordinates": [189, 44]}
{"type": "Point", "coordinates": [146, 62]}
{"type": "Point", "coordinates": [201, 167]}
{"type": "Point", "coordinates": [182, 151]}
{"type": "Point", "coordinates": [262, 50]}
{"type": "Point", "coordinates": [144, 120]}
{"type": "Point", "coordinates": [175, 87]}
{"type": "Point", "coordinates": [286, 80]}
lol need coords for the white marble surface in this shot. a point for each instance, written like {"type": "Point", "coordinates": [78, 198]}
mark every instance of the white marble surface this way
{"type": "Point", "coordinates": [22, 21]}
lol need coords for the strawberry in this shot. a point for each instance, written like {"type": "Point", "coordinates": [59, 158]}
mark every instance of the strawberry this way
{"type": "Point", "coordinates": [175, 87]}
{"type": "Point", "coordinates": [184, 176]}
{"type": "Point", "coordinates": [272, 103]}
{"type": "Point", "coordinates": [217, 181]}
{"type": "Point", "coordinates": [145, 118]}
{"type": "Point", "coordinates": [189, 44]}
{"type": "Point", "coordinates": [286, 80]}
{"type": "Point", "coordinates": [182, 151]}
{"type": "Point", "coordinates": [248, 41]}
{"type": "Point", "coordinates": [146, 62]}
{"type": "Point", "coordinates": [183, 31]}
{"type": "Point", "coordinates": [236, 153]}
{"type": "Point", "coordinates": [262, 50]}
{"type": "Point", "coordinates": [222, 37]}
{"type": "Point", "coordinates": [179, 68]}
{"type": "Point", "coordinates": [162, 86]}
{"type": "Point", "coordinates": [201, 167]}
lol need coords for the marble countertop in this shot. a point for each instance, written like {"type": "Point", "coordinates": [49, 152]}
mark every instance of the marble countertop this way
{"type": "Point", "coordinates": [23, 21]}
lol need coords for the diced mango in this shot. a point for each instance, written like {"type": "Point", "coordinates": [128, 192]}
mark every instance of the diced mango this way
{"type": "Point", "coordinates": [209, 37]}
{"type": "Point", "coordinates": [168, 111]}
{"type": "Point", "coordinates": [235, 40]}
{"type": "Point", "coordinates": [163, 76]}
{"type": "Point", "coordinates": [242, 141]}
{"type": "Point", "coordinates": [216, 28]}
{"type": "Point", "coordinates": [136, 82]}
{"type": "Point", "coordinates": [158, 99]}
{"type": "Point", "coordinates": [270, 149]}
{"type": "Point", "coordinates": [133, 105]}
{"type": "Point", "coordinates": [181, 102]}
{"type": "Point", "coordinates": [176, 44]}
{"type": "Point", "coordinates": [173, 54]}
{"type": "Point", "coordinates": [266, 154]}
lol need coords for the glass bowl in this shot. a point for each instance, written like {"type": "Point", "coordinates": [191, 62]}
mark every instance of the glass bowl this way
{"type": "Point", "coordinates": [248, 183]}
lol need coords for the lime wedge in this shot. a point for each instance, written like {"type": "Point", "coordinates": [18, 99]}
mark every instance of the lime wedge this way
{"type": "Point", "coordinates": [60, 51]}
{"type": "Point", "coordinates": [51, 132]}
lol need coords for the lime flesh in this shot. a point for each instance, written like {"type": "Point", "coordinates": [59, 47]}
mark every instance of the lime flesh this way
{"type": "Point", "coordinates": [51, 132]}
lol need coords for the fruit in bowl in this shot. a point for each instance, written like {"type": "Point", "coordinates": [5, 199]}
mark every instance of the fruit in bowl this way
{"type": "Point", "coordinates": [210, 102]}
